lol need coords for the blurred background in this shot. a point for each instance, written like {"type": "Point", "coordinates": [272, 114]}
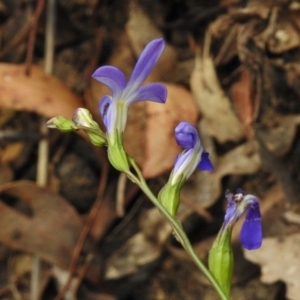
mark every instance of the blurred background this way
{"type": "Point", "coordinates": [71, 227]}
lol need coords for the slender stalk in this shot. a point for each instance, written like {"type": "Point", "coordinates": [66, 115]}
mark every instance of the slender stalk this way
{"type": "Point", "coordinates": [43, 147]}
{"type": "Point", "coordinates": [178, 230]}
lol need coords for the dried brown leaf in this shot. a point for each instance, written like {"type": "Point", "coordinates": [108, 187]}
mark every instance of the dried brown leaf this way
{"type": "Point", "coordinates": [279, 140]}
{"type": "Point", "coordinates": [219, 119]}
{"type": "Point", "coordinates": [39, 92]}
{"type": "Point", "coordinates": [51, 232]}
{"type": "Point", "coordinates": [279, 260]}
{"type": "Point", "coordinates": [127, 260]}
{"type": "Point", "coordinates": [243, 101]}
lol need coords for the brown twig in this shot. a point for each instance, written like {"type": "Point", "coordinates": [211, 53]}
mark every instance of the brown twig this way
{"type": "Point", "coordinates": [43, 147]}
{"type": "Point", "coordinates": [32, 35]}
{"type": "Point", "coordinates": [18, 39]}
{"type": "Point", "coordinates": [201, 211]}
{"type": "Point", "coordinates": [83, 272]}
{"type": "Point", "coordinates": [84, 233]}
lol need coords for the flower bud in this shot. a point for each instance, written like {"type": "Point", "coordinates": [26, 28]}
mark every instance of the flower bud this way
{"type": "Point", "coordinates": [61, 124]}
{"type": "Point", "coordinates": [84, 120]}
{"type": "Point", "coordinates": [169, 196]}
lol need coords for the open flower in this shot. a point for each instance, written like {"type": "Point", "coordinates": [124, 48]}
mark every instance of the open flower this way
{"type": "Point", "coordinates": [114, 108]}
{"type": "Point", "coordinates": [192, 157]}
{"type": "Point", "coordinates": [220, 259]}
{"type": "Point", "coordinates": [251, 233]}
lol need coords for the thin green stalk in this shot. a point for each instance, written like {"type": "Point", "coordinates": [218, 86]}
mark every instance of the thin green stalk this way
{"type": "Point", "coordinates": [177, 229]}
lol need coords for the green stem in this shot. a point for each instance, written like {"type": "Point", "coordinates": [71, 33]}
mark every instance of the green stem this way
{"type": "Point", "coordinates": [177, 229]}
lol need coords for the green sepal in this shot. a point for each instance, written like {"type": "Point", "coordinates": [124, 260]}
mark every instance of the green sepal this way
{"type": "Point", "coordinates": [97, 138]}
{"type": "Point", "coordinates": [221, 260]}
{"type": "Point", "coordinates": [116, 153]}
{"type": "Point", "coordinates": [169, 196]}
{"type": "Point", "coordinates": [62, 124]}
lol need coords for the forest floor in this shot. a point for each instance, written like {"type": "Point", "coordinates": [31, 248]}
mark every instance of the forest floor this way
{"type": "Point", "coordinates": [231, 68]}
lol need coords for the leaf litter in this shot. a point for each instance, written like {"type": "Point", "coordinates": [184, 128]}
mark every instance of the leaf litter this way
{"type": "Point", "coordinates": [241, 91]}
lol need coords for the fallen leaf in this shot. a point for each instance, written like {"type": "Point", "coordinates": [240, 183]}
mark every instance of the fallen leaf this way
{"type": "Point", "coordinates": [51, 232]}
{"type": "Point", "coordinates": [39, 92]}
{"type": "Point", "coordinates": [141, 30]}
{"type": "Point", "coordinates": [6, 173]}
{"type": "Point", "coordinates": [142, 248]}
{"type": "Point", "coordinates": [243, 101]}
{"type": "Point", "coordinates": [220, 121]}
{"type": "Point", "coordinates": [127, 260]}
{"type": "Point", "coordinates": [279, 260]}
{"type": "Point", "coordinates": [279, 139]}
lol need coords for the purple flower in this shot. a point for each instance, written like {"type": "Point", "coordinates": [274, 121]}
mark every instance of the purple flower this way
{"type": "Point", "coordinates": [114, 108]}
{"type": "Point", "coordinates": [251, 233]}
{"type": "Point", "coordinates": [193, 156]}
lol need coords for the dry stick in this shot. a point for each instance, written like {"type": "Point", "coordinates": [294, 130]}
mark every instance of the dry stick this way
{"type": "Point", "coordinates": [43, 147]}
{"type": "Point", "coordinates": [32, 35]}
{"type": "Point", "coordinates": [89, 222]}
{"type": "Point", "coordinates": [16, 40]}
{"type": "Point", "coordinates": [83, 272]}
{"type": "Point", "coordinates": [125, 221]}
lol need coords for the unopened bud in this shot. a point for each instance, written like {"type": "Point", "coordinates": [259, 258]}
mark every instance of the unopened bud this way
{"type": "Point", "coordinates": [61, 124]}
{"type": "Point", "coordinates": [83, 119]}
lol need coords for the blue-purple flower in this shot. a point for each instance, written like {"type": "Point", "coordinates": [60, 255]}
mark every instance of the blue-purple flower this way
{"type": "Point", "coordinates": [251, 233]}
{"type": "Point", "coordinates": [193, 156]}
{"type": "Point", "coordinates": [220, 259]}
{"type": "Point", "coordinates": [114, 108]}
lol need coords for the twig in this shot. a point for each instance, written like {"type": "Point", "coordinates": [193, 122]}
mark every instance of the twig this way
{"type": "Point", "coordinates": [125, 221]}
{"type": "Point", "coordinates": [16, 40]}
{"type": "Point", "coordinates": [32, 35]}
{"type": "Point", "coordinates": [89, 222]}
{"type": "Point", "coordinates": [83, 272]}
{"type": "Point", "coordinates": [201, 211]}
{"type": "Point", "coordinates": [43, 148]}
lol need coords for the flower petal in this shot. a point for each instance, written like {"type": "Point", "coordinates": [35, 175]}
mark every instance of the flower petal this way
{"type": "Point", "coordinates": [144, 65]}
{"type": "Point", "coordinates": [155, 92]}
{"type": "Point", "coordinates": [186, 135]}
{"type": "Point", "coordinates": [185, 164]}
{"type": "Point", "coordinates": [251, 233]}
{"type": "Point", "coordinates": [106, 111]}
{"type": "Point", "coordinates": [205, 163]}
{"type": "Point", "coordinates": [113, 78]}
